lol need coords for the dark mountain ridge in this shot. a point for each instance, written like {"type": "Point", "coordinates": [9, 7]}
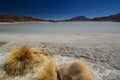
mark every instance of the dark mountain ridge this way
{"type": "Point", "coordinates": [79, 18]}
{"type": "Point", "coordinates": [15, 18]}
{"type": "Point", "coordinates": [114, 18]}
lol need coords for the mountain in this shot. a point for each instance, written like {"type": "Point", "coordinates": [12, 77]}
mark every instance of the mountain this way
{"type": "Point", "coordinates": [15, 18]}
{"type": "Point", "coordinates": [79, 18]}
{"type": "Point", "coordinates": [114, 18]}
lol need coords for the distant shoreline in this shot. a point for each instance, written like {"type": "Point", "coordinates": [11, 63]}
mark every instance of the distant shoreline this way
{"type": "Point", "coordinates": [30, 22]}
{"type": "Point", "coordinates": [37, 22]}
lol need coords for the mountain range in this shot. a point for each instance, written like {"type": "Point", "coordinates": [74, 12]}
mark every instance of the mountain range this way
{"type": "Point", "coordinates": [15, 18]}
{"type": "Point", "coordinates": [114, 18]}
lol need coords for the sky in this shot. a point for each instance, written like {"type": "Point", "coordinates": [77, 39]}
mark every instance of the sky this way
{"type": "Point", "coordinates": [60, 9]}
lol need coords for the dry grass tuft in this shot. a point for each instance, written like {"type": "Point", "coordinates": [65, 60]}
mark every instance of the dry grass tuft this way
{"type": "Point", "coordinates": [77, 70]}
{"type": "Point", "coordinates": [2, 77]}
{"type": "Point", "coordinates": [21, 61]}
{"type": "Point", "coordinates": [49, 71]}
{"type": "Point", "coordinates": [39, 55]}
{"type": "Point", "coordinates": [2, 43]}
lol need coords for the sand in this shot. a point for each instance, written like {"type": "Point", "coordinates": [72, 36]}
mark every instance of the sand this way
{"type": "Point", "coordinates": [100, 51]}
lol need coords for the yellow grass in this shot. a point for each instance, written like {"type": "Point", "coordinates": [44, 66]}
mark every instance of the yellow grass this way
{"type": "Point", "coordinates": [21, 61]}
{"type": "Point", "coordinates": [77, 70]}
{"type": "Point", "coordinates": [49, 71]}
{"type": "Point", "coordinates": [2, 43]}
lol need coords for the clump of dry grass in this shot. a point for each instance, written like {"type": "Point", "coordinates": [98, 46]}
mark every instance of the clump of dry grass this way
{"type": "Point", "coordinates": [2, 78]}
{"type": "Point", "coordinates": [39, 55]}
{"type": "Point", "coordinates": [21, 61]}
{"type": "Point", "coordinates": [48, 72]}
{"type": "Point", "coordinates": [2, 43]}
{"type": "Point", "coordinates": [76, 70]}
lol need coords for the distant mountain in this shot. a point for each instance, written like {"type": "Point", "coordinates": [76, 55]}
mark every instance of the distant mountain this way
{"type": "Point", "coordinates": [114, 18]}
{"type": "Point", "coordinates": [15, 18]}
{"type": "Point", "coordinates": [79, 18]}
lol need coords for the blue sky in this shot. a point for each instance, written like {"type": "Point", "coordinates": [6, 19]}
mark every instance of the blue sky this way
{"type": "Point", "coordinates": [60, 9]}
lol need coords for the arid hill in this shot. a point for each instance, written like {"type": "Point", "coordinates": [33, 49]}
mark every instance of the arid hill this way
{"type": "Point", "coordinates": [15, 18]}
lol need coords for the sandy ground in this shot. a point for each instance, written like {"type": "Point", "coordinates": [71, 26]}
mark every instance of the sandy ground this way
{"type": "Point", "coordinates": [100, 51]}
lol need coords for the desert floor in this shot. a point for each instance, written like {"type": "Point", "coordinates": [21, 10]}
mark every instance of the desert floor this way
{"type": "Point", "coordinates": [100, 51]}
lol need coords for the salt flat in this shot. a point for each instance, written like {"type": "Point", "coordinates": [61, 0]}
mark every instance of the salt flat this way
{"type": "Point", "coordinates": [100, 51]}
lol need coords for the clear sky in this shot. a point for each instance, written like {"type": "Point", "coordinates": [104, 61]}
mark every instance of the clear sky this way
{"type": "Point", "coordinates": [60, 9]}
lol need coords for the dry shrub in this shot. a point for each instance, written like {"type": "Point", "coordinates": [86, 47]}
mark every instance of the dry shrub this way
{"type": "Point", "coordinates": [39, 55]}
{"type": "Point", "coordinates": [2, 43]}
{"type": "Point", "coordinates": [77, 70]}
{"type": "Point", "coordinates": [2, 75]}
{"type": "Point", "coordinates": [47, 71]}
{"type": "Point", "coordinates": [21, 61]}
